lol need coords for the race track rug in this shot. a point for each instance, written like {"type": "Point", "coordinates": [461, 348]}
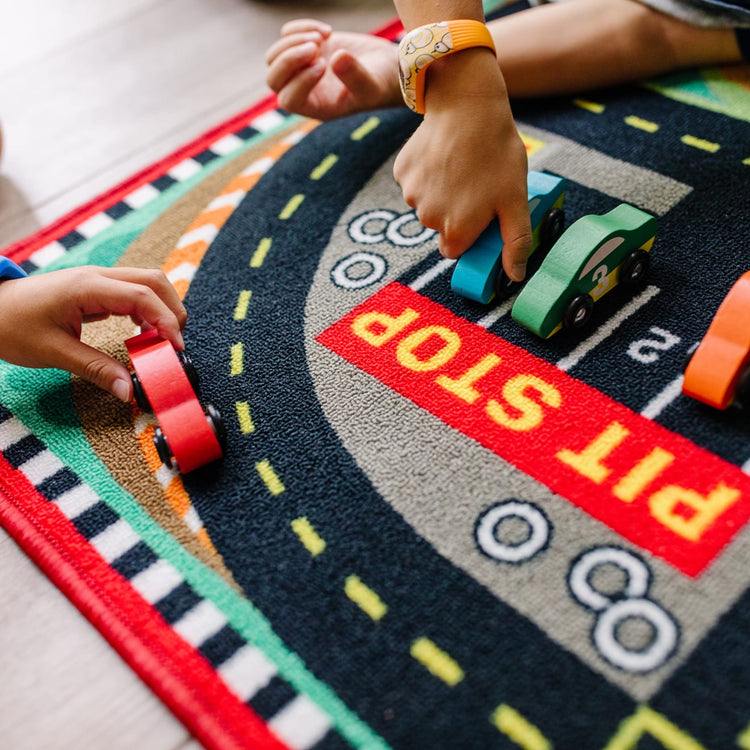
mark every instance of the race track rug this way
{"type": "Point", "coordinates": [430, 529]}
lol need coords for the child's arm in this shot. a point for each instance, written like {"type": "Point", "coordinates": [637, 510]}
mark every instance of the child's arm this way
{"type": "Point", "coordinates": [41, 318]}
{"type": "Point", "coordinates": [465, 165]}
{"type": "Point", "coordinates": [458, 183]}
{"type": "Point", "coordinates": [551, 49]}
{"type": "Point", "coordinates": [568, 47]}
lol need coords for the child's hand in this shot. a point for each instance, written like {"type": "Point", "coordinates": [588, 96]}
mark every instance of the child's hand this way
{"type": "Point", "coordinates": [41, 318]}
{"type": "Point", "coordinates": [466, 165]}
{"type": "Point", "coordinates": [324, 74]}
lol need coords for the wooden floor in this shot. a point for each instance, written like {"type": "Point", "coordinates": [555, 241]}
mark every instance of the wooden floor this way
{"type": "Point", "coordinates": [90, 92]}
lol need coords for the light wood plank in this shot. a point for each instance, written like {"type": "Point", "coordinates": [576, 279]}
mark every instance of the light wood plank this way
{"type": "Point", "coordinates": [38, 28]}
{"type": "Point", "coordinates": [62, 685]}
{"type": "Point", "coordinates": [85, 115]}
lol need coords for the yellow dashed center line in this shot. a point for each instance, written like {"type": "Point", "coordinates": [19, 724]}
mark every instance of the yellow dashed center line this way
{"type": "Point", "coordinates": [244, 418]}
{"type": "Point", "coordinates": [365, 598]}
{"type": "Point", "coordinates": [641, 124]}
{"type": "Point", "coordinates": [651, 127]}
{"type": "Point", "coordinates": [532, 145]}
{"type": "Point", "coordinates": [519, 729]}
{"type": "Point", "coordinates": [365, 128]}
{"type": "Point", "coordinates": [260, 253]}
{"type": "Point", "coordinates": [240, 310]}
{"type": "Point", "coordinates": [437, 662]}
{"type": "Point", "coordinates": [594, 107]}
{"type": "Point", "coordinates": [324, 166]}
{"type": "Point", "coordinates": [294, 203]}
{"type": "Point", "coordinates": [743, 741]}
{"type": "Point", "coordinates": [691, 140]}
{"type": "Point", "coordinates": [269, 477]}
{"type": "Point", "coordinates": [310, 538]}
{"type": "Point", "coordinates": [647, 722]}
{"type": "Point", "coordinates": [238, 353]}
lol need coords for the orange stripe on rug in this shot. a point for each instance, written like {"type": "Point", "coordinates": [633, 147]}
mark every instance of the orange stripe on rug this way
{"type": "Point", "coordinates": [169, 479]}
{"type": "Point", "coordinates": [181, 264]}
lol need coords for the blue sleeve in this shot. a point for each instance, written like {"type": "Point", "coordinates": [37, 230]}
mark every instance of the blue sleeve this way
{"type": "Point", "coordinates": [10, 270]}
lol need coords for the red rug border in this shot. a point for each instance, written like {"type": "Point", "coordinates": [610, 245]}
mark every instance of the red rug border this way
{"type": "Point", "coordinates": [188, 685]}
{"type": "Point", "coordinates": [22, 249]}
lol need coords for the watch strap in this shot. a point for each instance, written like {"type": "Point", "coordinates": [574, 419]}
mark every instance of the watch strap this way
{"type": "Point", "coordinates": [420, 47]}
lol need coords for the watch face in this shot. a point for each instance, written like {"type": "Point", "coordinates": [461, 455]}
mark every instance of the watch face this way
{"type": "Point", "coordinates": [417, 50]}
{"type": "Point", "coordinates": [407, 79]}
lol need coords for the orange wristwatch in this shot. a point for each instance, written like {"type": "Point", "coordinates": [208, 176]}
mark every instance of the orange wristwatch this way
{"type": "Point", "coordinates": [420, 48]}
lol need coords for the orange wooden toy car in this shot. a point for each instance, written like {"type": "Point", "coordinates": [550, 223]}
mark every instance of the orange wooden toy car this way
{"type": "Point", "coordinates": [718, 372]}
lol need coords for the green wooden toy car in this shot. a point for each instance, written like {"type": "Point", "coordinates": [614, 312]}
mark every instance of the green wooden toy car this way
{"type": "Point", "coordinates": [591, 257]}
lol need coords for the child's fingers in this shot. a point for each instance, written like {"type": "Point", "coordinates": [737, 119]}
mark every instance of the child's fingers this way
{"type": "Point", "coordinates": [457, 233]}
{"type": "Point", "coordinates": [92, 365]}
{"type": "Point", "coordinates": [302, 25]}
{"type": "Point", "coordinates": [155, 280]}
{"type": "Point", "coordinates": [138, 300]}
{"type": "Point", "coordinates": [515, 228]}
{"type": "Point", "coordinates": [354, 76]}
{"type": "Point", "coordinates": [295, 96]}
{"type": "Point", "coordinates": [283, 70]}
{"type": "Point", "coordinates": [95, 317]}
{"type": "Point", "coordinates": [453, 246]}
{"type": "Point", "coordinates": [286, 43]}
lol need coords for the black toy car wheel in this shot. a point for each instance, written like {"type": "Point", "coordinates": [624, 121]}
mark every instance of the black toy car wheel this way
{"type": "Point", "coordinates": [578, 312]}
{"type": "Point", "coordinates": [139, 394]}
{"type": "Point", "coordinates": [190, 371]}
{"type": "Point", "coordinates": [162, 447]}
{"type": "Point", "coordinates": [634, 268]}
{"type": "Point", "coordinates": [216, 423]}
{"type": "Point", "coordinates": [505, 286]}
{"type": "Point", "coordinates": [552, 227]}
{"type": "Point", "coordinates": [742, 391]}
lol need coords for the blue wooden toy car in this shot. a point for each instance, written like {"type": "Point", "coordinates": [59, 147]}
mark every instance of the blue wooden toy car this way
{"type": "Point", "coordinates": [479, 274]}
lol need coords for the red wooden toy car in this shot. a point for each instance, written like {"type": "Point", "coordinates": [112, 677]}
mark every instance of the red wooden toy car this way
{"type": "Point", "coordinates": [166, 383]}
{"type": "Point", "coordinates": [718, 372]}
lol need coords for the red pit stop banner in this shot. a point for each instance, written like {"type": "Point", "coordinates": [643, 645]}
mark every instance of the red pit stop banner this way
{"type": "Point", "coordinates": [652, 486]}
